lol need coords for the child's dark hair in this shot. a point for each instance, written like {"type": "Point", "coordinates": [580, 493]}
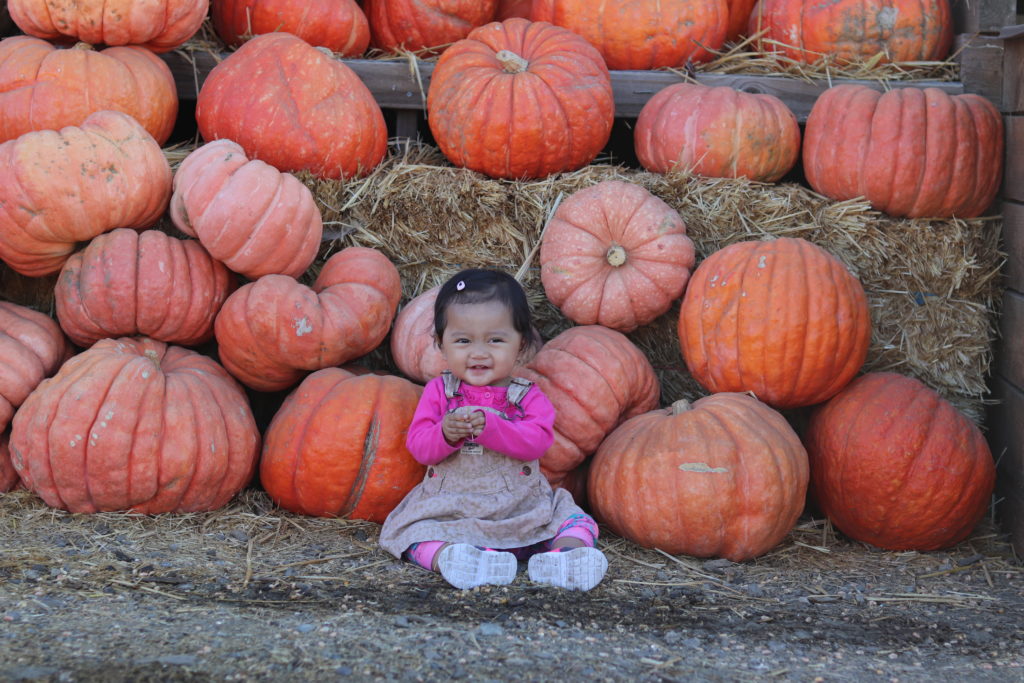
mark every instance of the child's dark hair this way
{"type": "Point", "coordinates": [479, 285]}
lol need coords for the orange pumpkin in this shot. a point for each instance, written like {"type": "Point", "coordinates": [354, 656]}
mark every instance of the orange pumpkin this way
{"type": "Point", "coordinates": [32, 347]}
{"type": "Point", "coordinates": [896, 465]}
{"type": "Point", "coordinates": [914, 152]}
{"type": "Point", "coordinates": [508, 9]}
{"type": "Point", "coordinates": [718, 132]}
{"type": "Point", "coordinates": [853, 30]}
{"type": "Point", "coordinates": [417, 24]}
{"type": "Point", "coordinates": [336, 448]}
{"type": "Point", "coordinates": [126, 283]}
{"type": "Point", "coordinates": [595, 377]}
{"type": "Point", "coordinates": [294, 107]}
{"type": "Point", "coordinates": [338, 25]}
{"type": "Point", "coordinates": [781, 318]}
{"type": "Point", "coordinates": [64, 187]}
{"type": "Point", "coordinates": [47, 88]}
{"type": "Point", "coordinates": [723, 477]}
{"type": "Point", "coordinates": [478, 89]}
{"type": "Point", "coordinates": [273, 331]}
{"type": "Point", "coordinates": [249, 215]}
{"type": "Point", "coordinates": [648, 34]}
{"type": "Point", "coordinates": [413, 342]}
{"type": "Point", "coordinates": [159, 25]}
{"type": "Point", "coordinates": [614, 254]}
{"type": "Point", "coordinates": [135, 424]}
{"type": "Point", "coordinates": [9, 478]}
{"type": "Point", "coordinates": [739, 17]}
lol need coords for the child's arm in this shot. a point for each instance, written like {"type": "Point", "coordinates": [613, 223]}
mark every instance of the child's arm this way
{"type": "Point", "coordinates": [425, 439]}
{"type": "Point", "coordinates": [524, 439]}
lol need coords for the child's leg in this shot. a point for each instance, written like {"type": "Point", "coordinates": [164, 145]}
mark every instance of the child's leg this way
{"type": "Point", "coordinates": [572, 561]}
{"type": "Point", "coordinates": [577, 531]}
{"type": "Point", "coordinates": [424, 554]}
{"type": "Point", "coordinates": [464, 565]}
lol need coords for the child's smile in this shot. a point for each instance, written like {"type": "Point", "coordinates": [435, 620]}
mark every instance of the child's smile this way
{"type": "Point", "coordinates": [480, 343]}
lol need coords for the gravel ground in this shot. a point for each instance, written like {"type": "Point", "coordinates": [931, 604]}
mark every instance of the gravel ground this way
{"type": "Point", "coordinates": [251, 593]}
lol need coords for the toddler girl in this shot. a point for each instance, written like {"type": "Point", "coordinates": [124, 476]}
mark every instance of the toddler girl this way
{"type": "Point", "coordinates": [484, 503]}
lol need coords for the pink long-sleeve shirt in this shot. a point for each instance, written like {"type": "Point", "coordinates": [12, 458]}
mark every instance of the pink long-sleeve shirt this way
{"type": "Point", "coordinates": [526, 436]}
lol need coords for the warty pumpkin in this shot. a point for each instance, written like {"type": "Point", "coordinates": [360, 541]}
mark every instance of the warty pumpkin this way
{"type": "Point", "coordinates": [896, 465]}
{"type": "Point", "coordinates": [413, 341]}
{"type": "Point", "coordinates": [717, 132]}
{"type": "Point", "coordinates": [287, 103]}
{"type": "Point", "coordinates": [32, 347]}
{"type": "Point", "coordinates": [520, 99]}
{"type": "Point", "coordinates": [781, 318]}
{"type": "Point", "coordinates": [723, 477]}
{"type": "Point", "coordinates": [614, 254]}
{"type": "Point", "coordinates": [273, 331]}
{"type": "Point", "coordinates": [43, 87]}
{"type": "Point", "coordinates": [336, 448]}
{"type": "Point", "coordinates": [58, 188]}
{"type": "Point", "coordinates": [135, 424]}
{"type": "Point", "coordinates": [247, 214]}
{"type": "Point", "coordinates": [125, 283]}
{"type": "Point", "coordinates": [415, 25]}
{"type": "Point", "coordinates": [911, 152]}
{"type": "Point", "coordinates": [338, 25]}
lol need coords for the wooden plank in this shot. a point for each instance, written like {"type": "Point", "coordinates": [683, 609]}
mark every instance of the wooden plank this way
{"type": "Point", "coordinates": [1013, 174]}
{"type": "Point", "coordinates": [1010, 351]}
{"type": "Point", "coordinates": [1013, 242]}
{"type": "Point", "coordinates": [981, 66]}
{"type": "Point", "coordinates": [986, 16]}
{"type": "Point", "coordinates": [1006, 439]}
{"type": "Point", "coordinates": [396, 86]}
{"type": "Point", "coordinates": [1013, 75]}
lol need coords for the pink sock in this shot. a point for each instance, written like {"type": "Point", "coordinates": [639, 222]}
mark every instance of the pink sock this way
{"type": "Point", "coordinates": [582, 527]}
{"type": "Point", "coordinates": [423, 553]}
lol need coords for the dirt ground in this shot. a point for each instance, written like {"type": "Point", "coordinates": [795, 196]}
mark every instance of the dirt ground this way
{"type": "Point", "coordinates": [251, 593]}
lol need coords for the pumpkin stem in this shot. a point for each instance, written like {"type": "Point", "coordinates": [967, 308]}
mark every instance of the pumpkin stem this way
{"type": "Point", "coordinates": [80, 45]}
{"type": "Point", "coordinates": [681, 406]}
{"type": "Point", "coordinates": [152, 355]}
{"type": "Point", "coordinates": [511, 62]}
{"type": "Point", "coordinates": [615, 255]}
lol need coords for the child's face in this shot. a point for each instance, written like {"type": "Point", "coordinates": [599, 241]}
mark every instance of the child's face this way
{"type": "Point", "coordinates": [480, 343]}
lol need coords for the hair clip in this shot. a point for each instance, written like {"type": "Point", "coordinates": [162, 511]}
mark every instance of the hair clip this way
{"type": "Point", "coordinates": [460, 285]}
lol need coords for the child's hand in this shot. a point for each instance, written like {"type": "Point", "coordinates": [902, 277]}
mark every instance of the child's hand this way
{"type": "Point", "coordinates": [460, 425]}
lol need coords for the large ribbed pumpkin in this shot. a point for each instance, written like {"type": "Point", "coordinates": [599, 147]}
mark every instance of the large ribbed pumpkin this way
{"type": "Point", "coordinates": [413, 341]}
{"type": "Point", "coordinates": [896, 465]}
{"type": "Point", "coordinates": [853, 30]}
{"type": "Point", "coordinates": [289, 104]}
{"type": "Point", "coordinates": [58, 188]}
{"type": "Point", "coordinates": [596, 378]}
{"type": "Point", "coordinates": [614, 254]}
{"type": "Point", "coordinates": [43, 87]}
{"type": "Point", "coordinates": [273, 331]}
{"type": "Point", "coordinates": [782, 318]}
{"type": "Point", "coordinates": [338, 25]}
{"type": "Point", "coordinates": [914, 152]}
{"type": "Point", "coordinates": [336, 448]}
{"type": "Point", "coordinates": [723, 477]}
{"type": "Point", "coordinates": [32, 347]}
{"type": "Point", "coordinates": [718, 132]}
{"type": "Point", "coordinates": [247, 214]}
{"type": "Point", "coordinates": [126, 283]}
{"type": "Point", "coordinates": [417, 24]}
{"type": "Point", "coordinates": [135, 424]}
{"type": "Point", "coordinates": [642, 34]}
{"type": "Point", "coordinates": [159, 25]}
{"type": "Point", "coordinates": [521, 99]}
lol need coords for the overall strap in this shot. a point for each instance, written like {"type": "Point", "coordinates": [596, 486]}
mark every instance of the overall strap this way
{"type": "Point", "coordinates": [517, 390]}
{"type": "Point", "coordinates": [451, 384]}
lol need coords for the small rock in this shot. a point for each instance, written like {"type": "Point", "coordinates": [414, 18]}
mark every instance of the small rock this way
{"type": "Point", "coordinates": [343, 670]}
{"type": "Point", "coordinates": [489, 629]}
{"type": "Point", "coordinates": [671, 637]}
{"type": "Point", "coordinates": [692, 642]}
{"type": "Point", "coordinates": [717, 564]}
{"type": "Point", "coordinates": [305, 628]}
{"type": "Point", "coordinates": [178, 660]}
{"type": "Point", "coordinates": [754, 590]}
{"type": "Point", "coordinates": [239, 535]}
{"type": "Point", "coordinates": [31, 574]}
{"type": "Point", "coordinates": [402, 621]}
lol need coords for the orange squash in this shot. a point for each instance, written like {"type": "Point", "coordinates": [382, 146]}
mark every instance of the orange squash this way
{"type": "Point", "coordinates": [513, 8]}
{"type": "Point", "coordinates": [413, 342]}
{"type": "Point", "coordinates": [32, 348]}
{"type": "Point", "coordinates": [415, 25]}
{"type": "Point", "coordinates": [9, 478]}
{"type": "Point", "coordinates": [338, 25]}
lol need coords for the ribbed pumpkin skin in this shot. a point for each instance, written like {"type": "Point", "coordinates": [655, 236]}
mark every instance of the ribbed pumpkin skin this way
{"type": "Point", "coordinates": [854, 30]}
{"type": "Point", "coordinates": [159, 25]}
{"type": "Point", "coordinates": [9, 478]}
{"type": "Point", "coordinates": [896, 465]}
{"type": "Point", "coordinates": [911, 152]}
{"type": "Point", "coordinates": [781, 318]}
{"type": "Point", "coordinates": [338, 25]}
{"type": "Point", "coordinates": [413, 342]}
{"type": "Point", "coordinates": [596, 378]}
{"type": "Point", "coordinates": [644, 34]}
{"type": "Point", "coordinates": [614, 254]}
{"type": "Point", "coordinates": [247, 214]}
{"type": "Point", "coordinates": [126, 283]}
{"type": "Point", "coordinates": [135, 424]}
{"type": "Point", "coordinates": [508, 9]}
{"type": "Point", "coordinates": [289, 104]}
{"type": "Point", "coordinates": [554, 116]}
{"type": "Point", "coordinates": [336, 447]}
{"type": "Point", "coordinates": [43, 87]}
{"type": "Point", "coordinates": [32, 347]}
{"type": "Point", "coordinates": [739, 17]}
{"type": "Point", "coordinates": [417, 24]}
{"type": "Point", "coordinates": [273, 331]}
{"type": "Point", "coordinates": [67, 186]}
{"type": "Point", "coordinates": [717, 132]}
{"type": "Point", "coordinates": [725, 477]}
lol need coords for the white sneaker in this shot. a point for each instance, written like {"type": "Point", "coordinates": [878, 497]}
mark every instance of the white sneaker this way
{"type": "Point", "coordinates": [466, 566]}
{"type": "Point", "coordinates": [579, 569]}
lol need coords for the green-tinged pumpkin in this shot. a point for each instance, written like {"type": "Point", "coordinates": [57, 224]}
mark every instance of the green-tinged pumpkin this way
{"type": "Point", "coordinates": [896, 465]}
{"type": "Point", "coordinates": [723, 477]}
{"type": "Point", "coordinates": [338, 25]}
{"type": "Point", "coordinates": [136, 425]}
{"type": "Point", "coordinates": [336, 448]}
